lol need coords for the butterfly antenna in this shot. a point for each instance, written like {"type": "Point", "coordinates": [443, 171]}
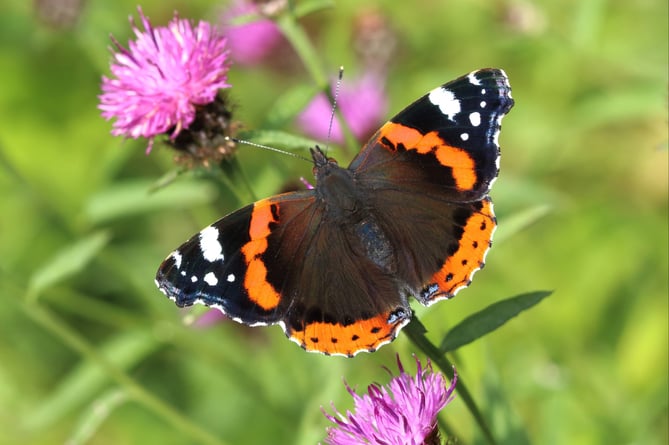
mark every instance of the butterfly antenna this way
{"type": "Point", "coordinates": [267, 147]}
{"type": "Point", "coordinates": [334, 107]}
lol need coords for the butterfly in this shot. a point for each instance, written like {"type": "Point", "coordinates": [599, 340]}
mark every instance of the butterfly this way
{"type": "Point", "coordinates": [335, 266]}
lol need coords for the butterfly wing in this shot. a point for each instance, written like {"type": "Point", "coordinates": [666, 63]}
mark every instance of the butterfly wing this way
{"type": "Point", "coordinates": [436, 161]}
{"type": "Point", "coordinates": [340, 301]}
{"type": "Point", "coordinates": [222, 266]}
{"type": "Point", "coordinates": [279, 261]}
{"type": "Point", "coordinates": [334, 266]}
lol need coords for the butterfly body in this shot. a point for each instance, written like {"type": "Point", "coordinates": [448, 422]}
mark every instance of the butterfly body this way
{"type": "Point", "coordinates": [335, 266]}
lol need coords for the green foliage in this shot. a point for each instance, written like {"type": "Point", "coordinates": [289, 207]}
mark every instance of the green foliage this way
{"type": "Point", "coordinates": [71, 260]}
{"type": "Point", "coordinates": [92, 353]}
{"type": "Point", "coordinates": [487, 320]}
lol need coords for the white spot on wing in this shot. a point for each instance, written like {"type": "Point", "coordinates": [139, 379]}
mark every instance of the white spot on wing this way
{"type": "Point", "coordinates": [495, 135]}
{"type": "Point", "coordinates": [506, 82]}
{"type": "Point", "coordinates": [475, 118]}
{"type": "Point", "coordinates": [495, 138]}
{"type": "Point", "coordinates": [446, 101]}
{"type": "Point", "coordinates": [231, 278]}
{"type": "Point", "coordinates": [464, 136]}
{"type": "Point", "coordinates": [211, 279]}
{"type": "Point", "coordinates": [483, 104]}
{"type": "Point", "coordinates": [193, 278]}
{"type": "Point", "coordinates": [177, 258]}
{"type": "Point", "coordinates": [164, 291]}
{"type": "Point", "coordinates": [472, 78]}
{"type": "Point", "coordinates": [224, 312]}
{"type": "Point", "coordinates": [209, 245]}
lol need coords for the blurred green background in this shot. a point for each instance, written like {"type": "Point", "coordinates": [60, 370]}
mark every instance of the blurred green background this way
{"type": "Point", "coordinates": [91, 352]}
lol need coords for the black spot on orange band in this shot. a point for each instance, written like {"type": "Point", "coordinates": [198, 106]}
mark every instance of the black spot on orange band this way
{"type": "Point", "coordinates": [361, 335]}
{"type": "Point", "coordinates": [457, 270]}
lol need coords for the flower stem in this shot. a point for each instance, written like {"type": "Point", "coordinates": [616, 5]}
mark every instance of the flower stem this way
{"type": "Point", "coordinates": [299, 40]}
{"type": "Point", "coordinates": [52, 323]}
{"type": "Point", "coordinates": [416, 333]}
{"type": "Point", "coordinates": [233, 174]}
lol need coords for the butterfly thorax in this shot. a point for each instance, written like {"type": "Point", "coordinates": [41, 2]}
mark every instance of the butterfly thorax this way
{"type": "Point", "coordinates": [335, 188]}
{"type": "Point", "coordinates": [345, 207]}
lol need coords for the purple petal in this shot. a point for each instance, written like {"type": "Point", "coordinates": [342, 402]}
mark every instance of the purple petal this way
{"type": "Point", "coordinates": [362, 103]}
{"type": "Point", "coordinates": [253, 41]}
{"type": "Point", "coordinates": [162, 76]}
{"type": "Point", "coordinates": [402, 412]}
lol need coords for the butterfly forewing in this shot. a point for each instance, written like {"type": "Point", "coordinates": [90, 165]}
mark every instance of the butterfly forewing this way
{"type": "Point", "coordinates": [223, 265]}
{"type": "Point", "coordinates": [444, 143]}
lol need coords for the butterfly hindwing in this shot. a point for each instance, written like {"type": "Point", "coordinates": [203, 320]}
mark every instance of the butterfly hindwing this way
{"type": "Point", "coordinates": [338, 300]}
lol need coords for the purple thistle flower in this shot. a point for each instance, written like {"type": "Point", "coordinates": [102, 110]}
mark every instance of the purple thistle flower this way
{"type": "Point", "coordinates": [162, 77]}
{"type": "Point", "coordinates": [402, 413]}
{"type": "Point", "coordinates": [362, 103]}
{"type": "Point", "coordinates": [210, 318]}
{"type": "Point", "coordinates": [252, 41]}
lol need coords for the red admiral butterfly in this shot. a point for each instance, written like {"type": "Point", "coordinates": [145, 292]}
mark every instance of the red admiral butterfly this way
{"type": "Point", "coordinates": [335, 266]}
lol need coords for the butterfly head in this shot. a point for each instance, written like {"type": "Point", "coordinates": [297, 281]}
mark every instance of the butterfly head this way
{"type": "Point", "coordinates": [322, 164]}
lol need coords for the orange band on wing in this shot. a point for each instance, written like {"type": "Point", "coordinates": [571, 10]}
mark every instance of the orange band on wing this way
{"type": "Point", "coordinates": [458, 269]}
{"type": "Point", "coordinates": [260, 291]}
{"type": "Point", "coordinates": [461, 163]}
{"type": "Point", "coordinates": [335, 338]}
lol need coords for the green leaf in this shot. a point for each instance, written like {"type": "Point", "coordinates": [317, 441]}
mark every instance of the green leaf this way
{"type": "Point", "coordinates": [93, 418]}
{"type": "Point", "coordinates": [275, 138]}
{"type": "Point", "coordinates": [133, 198]}
{"type": "Point", "coordinates": [489, 319]}
{"type": "Point", "coordinates": [307, 7]}
{"type": "Point", "coordinates": [290, 104]}
{"type": "Point", "coordinates": [299, 39]}
{"type": "Point", "coordinates": [69, 261]}
{"type": "Point", "coordinates": [515, 223]}
{"type": "Point", "coordinates": [85, 381]}
{"type": "Point", "coordinates": [616, 107]}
